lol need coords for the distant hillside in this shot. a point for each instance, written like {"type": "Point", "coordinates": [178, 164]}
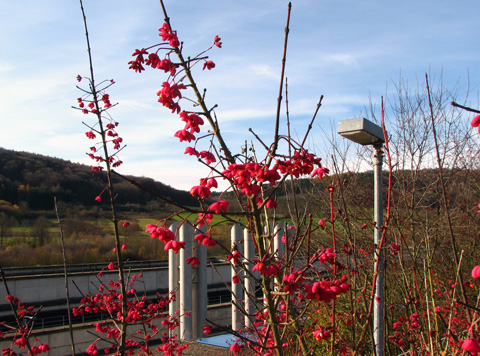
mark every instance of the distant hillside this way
{"type": "Point", "coordinates": [31, 181]}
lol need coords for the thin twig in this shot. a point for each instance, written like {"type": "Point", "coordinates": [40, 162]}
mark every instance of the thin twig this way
{"type": "Point", "coordinates": [280, 91]}
{"type": "Point", "coordinates": [465, 107]}
{"type": "Point", "coordinates": [65, 274]}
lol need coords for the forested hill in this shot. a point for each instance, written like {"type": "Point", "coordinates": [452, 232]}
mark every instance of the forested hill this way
{"type": "Point", "coordinates": [31, 181]}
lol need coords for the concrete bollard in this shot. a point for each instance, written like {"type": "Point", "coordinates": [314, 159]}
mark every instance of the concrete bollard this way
{"type": "Point", "coordinates": [237, 291]}
{"type": "Point", "coordinates": [250, 286]}
{"type": "Point", "coordinates": [186, 235]}
{"type": "Point", "coordinates": [173, 280]}
{"type": "Point", "coordinates": [199, 289]}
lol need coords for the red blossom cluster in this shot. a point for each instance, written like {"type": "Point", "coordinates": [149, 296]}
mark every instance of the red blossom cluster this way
{"type": "Point", "coordinates": [321, 334]}
{"type": "Point", "coordinates": [292, 281]}
{"type": "Point", "coordinates": [107, 127]}
{"type": "Point", "coordinates": [326, 291]}
{"type": "Point", "coordinates": [168, 35]}
{"type": "Point", "coordinates": [166, 236]}
{"type": "Point", "coordinates": [169, 97]}
{"type": "Point", "coordinates": [205, 240]}
{"type": "Point", "coordinates": [21, 334]}
{"type": "Point", "coordinates": [162, 233]}
{"type": "Point", "coordinates": [140, 311]}
{"type": "Point", "coordinates": [327, 255]}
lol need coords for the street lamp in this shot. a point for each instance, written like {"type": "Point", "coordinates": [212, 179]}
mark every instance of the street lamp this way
{"type": "Point", "coordinates": [365, 133]}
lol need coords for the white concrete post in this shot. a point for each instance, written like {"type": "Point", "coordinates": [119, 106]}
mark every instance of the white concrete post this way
{"type": "Point", "coordinates": [186, 235]}
{"type": "Point", "coordinates": [199, 289]}
{"type": "Point", "coordinates": [278, 245]}
{"type": "Point", "coordinates": [173, 277]}
{"type": "Point", "coordinates": [237, 291]}
{"type": "Point", "coordinates": [249, 253]}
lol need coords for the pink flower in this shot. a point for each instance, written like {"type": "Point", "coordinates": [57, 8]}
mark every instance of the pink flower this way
{"type": "Point", "coordinates": [235, 256]}
{"type": "Point", "coordinates": [126, 223]}
{"type": "Point", "coordinates": [235, 279]}
{"type": "Point", "coordinates": [326, 256]}
{"type": "Point", "coordinates": [166, 65]}
{"type": "Point", "coordinates": [174, 245]}
{"type": "Point", "coordinates": [21, 342]}
{"type": "Point", "coordinates": [472, 346]}
{"type": "Point", "coordinates": [124, 247]}
{"type": "Point", "coordinates": [90, 135]}
{"type": "Point", "coordinates": [79, 78]}
{"type": "Point", "coordinates": [168, 35]}
{"type": "Point", "coordinates": [202, 192]}
{"type": "Point", "coordinates": [476, 121]}
{"type": "Point", "coordinates": [272, 270]}
{"type": "Point", "coordinates": [92, 349]}
{"type": "Point", "coordinates": [156, 232]}
{"type": "Point", "coordinates": [184, 135]}
{"type": "Point", "coordinates": [111, 266]}
{"type": "Point", "coordinates": [271, 204]}
{"type": "Point", "coordinates": [200, 238]}
{"type": "Point", "coordinates": [209, 65]}
{"type": "Point", "coordinates": [218, 206]}
{"type": "Point", "coordinates": [476, 272]}
{"type": "Point", "coordinates": [204, 217]}
{"type": "Point", "coordinates": [192, 121]}
{"type": "Point", "coordinates": [321, 334]}
{"type": "Point", "coordinates": [193, 261]}
{"type": "Point", "coordinates": [207, 329]}
{"type": "Point", "coordinates": [212, 183]}
{"type": "Point", "coordinates": [259, 267]}
{"type": "Point", "coordinates": [320, 171]}
{"type": "Point", "coordinates": [216, 41]}
{"type": "Point", "coordinates": [98, 198]}
{"type": "Point", "coordinates": [208, 241]}
{"type": "Point", "coordinates": [208, 157]}
{"type": "Point", "coordinates": [191, 151]}
{"type": "Point", "coordinates": [235, 348]}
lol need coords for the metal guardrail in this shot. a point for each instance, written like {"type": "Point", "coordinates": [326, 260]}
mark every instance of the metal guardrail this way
{"type": "Point", "coordinates": [82, 268]}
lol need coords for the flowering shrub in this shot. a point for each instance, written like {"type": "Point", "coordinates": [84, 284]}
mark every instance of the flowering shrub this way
{"type": "Point", "coordinates": [253, 182]}
{"type": "Point", "coordinates": [20, 333]}
{"type": "Point", "coordinates": [146, 316]}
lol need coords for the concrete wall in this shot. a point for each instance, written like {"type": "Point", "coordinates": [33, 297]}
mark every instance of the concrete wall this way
{"type": "Point", "coordinates": [49, 290]}
{"type": "Point", "coordinates": [59, 340]}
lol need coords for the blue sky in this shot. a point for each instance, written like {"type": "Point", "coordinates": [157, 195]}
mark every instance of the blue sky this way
{"type": "Point", "coordinates": [348, 51]}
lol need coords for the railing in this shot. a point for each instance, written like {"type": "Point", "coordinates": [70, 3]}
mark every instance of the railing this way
{"type": "Point", "coordinates": [82, 268]}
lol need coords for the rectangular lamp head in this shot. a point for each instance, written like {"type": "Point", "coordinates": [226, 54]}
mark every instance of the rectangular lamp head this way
{"type": "Point", "coordinates": [361, 131]}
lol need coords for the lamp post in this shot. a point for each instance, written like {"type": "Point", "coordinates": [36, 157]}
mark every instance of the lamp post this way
{"type": "Point", "coordinates": [365, 133]}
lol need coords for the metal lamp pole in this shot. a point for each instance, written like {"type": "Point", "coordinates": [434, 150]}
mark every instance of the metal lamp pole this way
{"type": "Point", "coordinates": [379, 302]}
{"type": "Point", "coordinates": [365, 132]}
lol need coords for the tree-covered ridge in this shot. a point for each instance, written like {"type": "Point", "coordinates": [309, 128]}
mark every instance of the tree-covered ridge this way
{"type": "Point", "coordinates": [31, 180]}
